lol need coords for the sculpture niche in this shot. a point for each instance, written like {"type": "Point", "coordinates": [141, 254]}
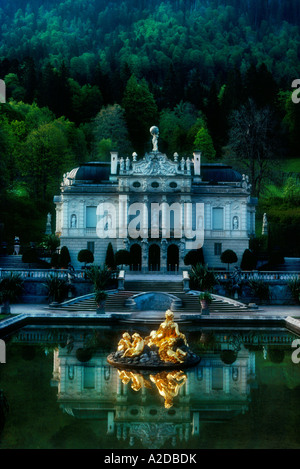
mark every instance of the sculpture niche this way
{"type": "Point", "coordinates": [166, 348]}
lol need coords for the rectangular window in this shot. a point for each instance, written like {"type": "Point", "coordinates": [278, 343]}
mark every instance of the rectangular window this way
{"type": "Point", "coordinates": [89, 377]}
{"type": "Point", "coordinates": [91, 220]}
{"type": "Point", "coordinates": [217, 379]}
{"type": "Point", "coordinates": [218, 249]}
{"type": "Point", "coordinates": [217, 219]}
{"type": "Point", "coordinates": [91, 246]}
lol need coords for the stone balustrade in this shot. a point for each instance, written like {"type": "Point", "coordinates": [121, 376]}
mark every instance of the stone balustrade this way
{"type": "Point", "coordinates": [266, 276]}
{"type": "Point", "coordinates": [42, 274]}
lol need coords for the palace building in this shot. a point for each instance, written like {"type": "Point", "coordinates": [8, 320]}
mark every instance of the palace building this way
{"type": "Point", "coordinates": [156, 207]}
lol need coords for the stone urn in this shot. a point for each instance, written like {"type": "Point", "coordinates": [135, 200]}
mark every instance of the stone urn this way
{"type": "Point", "coordinates": [205, 300]}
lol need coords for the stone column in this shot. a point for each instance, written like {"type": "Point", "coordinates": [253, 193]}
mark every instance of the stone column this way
{"type": "Point", "coordinates": [207, 218]}
{"type": "Point", "coordinates": [145, 252]}
{"type": "Point", "coordinates": [207, 379]}
{"type": "Point", "coordinates": [181, 248]}
{"type": "Point", "coordinates": [188, 220]}
{"type": "Point", "coordinates": [227, 216]}
{"type": "Point", "coordinates": [226, 379]}
{"type": "Point", "coordinates": [145, 218]}
{"type": "Point", "coordinates": [122, 216]}
{"type": "Point", "coordinates": [244, 216]}
{"type": "Point", "coordinates": [165, 222]}
{"type": "Point", "coordinates": [163, 256]}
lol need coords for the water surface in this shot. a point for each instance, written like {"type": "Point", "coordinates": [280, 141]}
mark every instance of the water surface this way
{"type": "Point", "coordinates": [60, 392]}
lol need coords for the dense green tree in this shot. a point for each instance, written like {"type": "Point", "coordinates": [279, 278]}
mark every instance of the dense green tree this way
{"type": "Point", "coordinates": [110, 124]}
{"type": "Point", "coordinates": [45, 155]}
{"type": "Point", "coordinates": [140, 112]}
{"type": "Point", "coordinates": [176, 128]}
{"type": "Point", "coordinates": [291, 120]}
{"type": "Point", "coordinates": [252, 141]}
{"type": "Point", "coordinates": [86, 101]}
{"type": "Point", "coordinates": [203, 142]}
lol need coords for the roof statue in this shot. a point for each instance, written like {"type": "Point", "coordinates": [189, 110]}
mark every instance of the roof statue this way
{"type": "Point", "coordinates": [154, 131]}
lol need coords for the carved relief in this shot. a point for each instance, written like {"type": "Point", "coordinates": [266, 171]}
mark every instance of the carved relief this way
{"type": "Point", "coordinates": [155, 164]}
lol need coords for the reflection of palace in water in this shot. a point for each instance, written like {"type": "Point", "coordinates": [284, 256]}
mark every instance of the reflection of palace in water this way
{"type": "Point", "coordinates": [213, 392]}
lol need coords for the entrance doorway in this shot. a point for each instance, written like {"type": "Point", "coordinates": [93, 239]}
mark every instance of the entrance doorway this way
{"type": "Point", "coordinates": [173, 258]}
{"type": "Point", "coordinates": [154, 258]}
{"type": "Point", "coordinates": [136, 257]}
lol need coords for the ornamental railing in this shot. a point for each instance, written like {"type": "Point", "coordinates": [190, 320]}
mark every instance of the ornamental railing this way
{"type": "Point", "coordinates": [41, 274]}
{"type": "Point", "coordinates": [266, 276]}
{"type": "Point", "coordinates": [80, 274]}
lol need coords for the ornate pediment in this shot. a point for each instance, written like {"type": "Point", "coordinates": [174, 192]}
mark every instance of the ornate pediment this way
{"type": "Point", "coordinates": [155, 164]}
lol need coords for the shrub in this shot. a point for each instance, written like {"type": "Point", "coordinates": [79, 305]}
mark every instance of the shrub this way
{"type": "Point", "coordinates": [100, 296]}
{"type": "Point", "coordinates": [194, 257]}
{"type": "Point", "coordinates": [122, 257]}
{"type": "Point", "coordinates": [205, 296]}
{"type": "Point", "coordinates": [249, 260]}
{"type": "Point", "coordinates": [30, 256]}
{"type": "Point", "coordinates": [99, 276]}
{"type": "Point", "coordinates": [202, 278]}
{"type": "Point", "coordinates": [276, 355]}
{"type": "Point", "coordinates": [228, 257]}
{"type": "Point", "coordinates": [50, 243]}
{"type": "Point", "coordinates": [86, 256]}
{"type": "Point", "coordinates": [228, 356]}
{"type": "Point", "coordinates": [84, 354]}
{"type": "Point", "coordinates": [11, 288]}
{"type": "Point", "coordinates": [260, 289]}
{"type": "Point", "coordinates": [294, 287]}
{"type": "Point", "coordinates": [57, 288]}
{"type": "Point", "coordinates": [110, 257]}
{"type": "Point", "coordinates": [55, 260]}
{"type": "Point", "coordinates": [65, 258]}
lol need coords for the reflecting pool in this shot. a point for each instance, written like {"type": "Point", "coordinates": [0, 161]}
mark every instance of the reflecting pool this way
{"type": "Point", "coordinates": [58, 391]}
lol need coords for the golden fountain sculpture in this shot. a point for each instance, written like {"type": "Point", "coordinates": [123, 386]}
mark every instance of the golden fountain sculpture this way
{"type": "Point", "coordinates": [165, 348]}
{"type": "Point", "coordinates": [168, 383]}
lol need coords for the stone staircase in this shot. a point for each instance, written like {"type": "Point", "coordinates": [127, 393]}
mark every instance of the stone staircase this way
{"type": "Point", "coordinates": [11, 262]}
{"type": "Point", "coordinates": [190, 304]}
{"type": "Point", "coordinates": [115, 303]}
{"type": "Point", "coordinates": [15, 262]}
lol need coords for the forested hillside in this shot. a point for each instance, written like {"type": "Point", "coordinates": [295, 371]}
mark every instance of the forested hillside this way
{"type": "Point", "coordinates": [87, 76]}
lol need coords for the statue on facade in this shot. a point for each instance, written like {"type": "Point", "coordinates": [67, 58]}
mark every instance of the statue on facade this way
{"type": "Point", "coordinates": [154, 131]}
{"type": "Point", "coordinates": [48, 225]}
{"type": "Point", "coordinates": [235, 223]}
{"type": "Point", "coordinates": [265, 225]}
{"type": "Point", "coordinates": [73, 221]}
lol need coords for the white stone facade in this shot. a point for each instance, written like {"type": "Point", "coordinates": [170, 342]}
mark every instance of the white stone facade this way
{"type": "Point", "coordinates": [228, 218]}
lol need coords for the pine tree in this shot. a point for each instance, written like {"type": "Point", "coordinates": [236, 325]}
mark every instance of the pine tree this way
{"type": "Point", "coordinates": [110, 257]}
{"type": "Point", "coordinates": [140, 112]}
